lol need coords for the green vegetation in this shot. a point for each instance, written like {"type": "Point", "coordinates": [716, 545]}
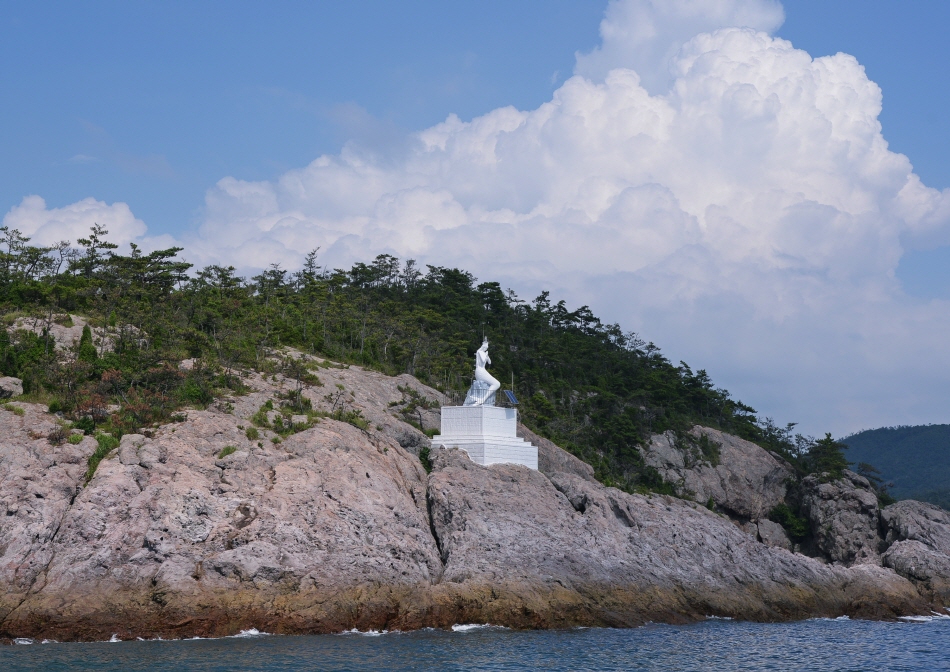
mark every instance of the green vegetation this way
{"type": "Point", "coordinates": [351, 416]}
{"type": "Point", "coordinates": [426, 458]}
{"type": "Point", "coordinates": [227, 450]}
{"type": "Point", "coordinates": [252, 434]}
{"type": "Point", "coordinates": [914, 462]}
{"type": "Point", "coordinates": [826, 458]}
{"type": "Point", "coordinates": [87, 351]}
{"type": "Point", "coordinates": [591, 387]}
{"type": "Point", "coordinates": [16, 410]}
{"type": "Point", "coordinates": [75, 438]}
{"type": "Point", "coordinates": [795, 526]}
{"type": "Point", "coordinates": [107, 444]}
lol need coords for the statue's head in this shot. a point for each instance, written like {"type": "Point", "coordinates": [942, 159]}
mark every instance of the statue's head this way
{"type": "Point", "coordinates": [484, 340]}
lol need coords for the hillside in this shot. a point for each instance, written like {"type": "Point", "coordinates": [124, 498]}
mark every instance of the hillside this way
{"type": "Point", "coordinates": [198, 453]}
{"type": "Point", "coordinates": [915, 459]}
{"type": "Point", "coordinates": [594, 389]}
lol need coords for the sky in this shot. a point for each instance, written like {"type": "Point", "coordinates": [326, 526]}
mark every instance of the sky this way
{"type": "Point", "coordinates": [757, 187]}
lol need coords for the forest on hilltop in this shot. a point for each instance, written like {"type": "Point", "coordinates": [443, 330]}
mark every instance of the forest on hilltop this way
{"type": "Point", "coordinates": [590, 387]}
{"type": "Point", "coordinates": [914, 460]}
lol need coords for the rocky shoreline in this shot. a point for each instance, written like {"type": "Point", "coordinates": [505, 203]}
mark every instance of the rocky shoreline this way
{"type": "Point", "coordinates": [200, 530]}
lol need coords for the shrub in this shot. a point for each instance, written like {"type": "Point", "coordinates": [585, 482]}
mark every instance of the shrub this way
{"type": "Point", "coordinates": [711, 450]}
{"type": "Point", "coordinates": [353, 417]}
{"type": "Point", "coordinates": [107, 444]}
{"type": "Point", "coordinates": [795, 526]}
{"type": "Point", "coordinates": [426, 458]}
{"type": "Point", "coordinates": [197, 391]}
{"type": "Point", "coordinates": [58, 436]}
{"type": "Point", "coordinates": [86, 424]}
{"type": "Point", "coordinates": [260, 418]}
{"type": "Point", "coordinates": [227, 450]}
{"type": "Point", "coordinates": [87, 350]}
{"type": "Point", "coordinates": [252, 434]}
{"type": "Point", "coordinates": [75, 438]}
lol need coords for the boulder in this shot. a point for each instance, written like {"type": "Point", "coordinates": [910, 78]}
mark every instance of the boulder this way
{"type": "Point", "coordinates": [773, 534]}
{"type": "Point", "coordinates": [553, 459]}
{"type": "Point", "coordinates": [919, 534]}
{"type": "Point", "coordinates": [920, 563]}
{"type": "Point", "coordinates": [10, 387]}
{"type": "Point", "coordinates": [747, 482]}
{"type": "Point", "coordinates": [129, 448]}
{"type": "Point", "coordinates": [845, 518]}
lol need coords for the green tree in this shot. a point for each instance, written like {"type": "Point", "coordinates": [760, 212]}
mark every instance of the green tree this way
{"type": "Point", "coordinates": [826, 458]}
{"type": "Point", "coordinates": [87, 349]}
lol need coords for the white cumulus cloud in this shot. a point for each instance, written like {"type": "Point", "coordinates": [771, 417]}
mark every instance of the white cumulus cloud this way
{"type": "Point", "coordinates": [47, 226]}
{"type": "Point", "coordinates": [647, 34]}
{"type": "Point", "coordinates": [698, 180]}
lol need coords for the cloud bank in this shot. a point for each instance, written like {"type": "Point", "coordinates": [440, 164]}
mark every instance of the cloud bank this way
{"type": "Point", "coordinates": [697, 180]}
{"type": "Point", "coordinates": [48, 226]}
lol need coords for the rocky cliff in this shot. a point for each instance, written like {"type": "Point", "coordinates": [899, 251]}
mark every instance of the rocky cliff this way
{"type": "Point", "coordinates": [210, 525]}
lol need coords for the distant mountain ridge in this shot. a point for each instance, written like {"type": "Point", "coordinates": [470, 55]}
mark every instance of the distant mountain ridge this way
{"type": "Point", "coordinates": [916, 459]}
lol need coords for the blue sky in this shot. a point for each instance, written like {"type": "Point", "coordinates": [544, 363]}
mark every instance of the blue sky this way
{"type": "Point", "coordinates": [166, 98]}
{"type": "Point", "coordinates": [197, 123]}
{"type": "Point", "coordinates": [152, 103]}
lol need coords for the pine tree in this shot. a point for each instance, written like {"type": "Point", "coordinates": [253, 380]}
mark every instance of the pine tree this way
{"type": "Point", "coordinates": [826, 458]}
{"type": "Point", "coordinates": [87, 350]}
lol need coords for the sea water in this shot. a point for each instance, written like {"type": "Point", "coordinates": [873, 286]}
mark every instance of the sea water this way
{"type": "Point", "coordinates": [819, 644]}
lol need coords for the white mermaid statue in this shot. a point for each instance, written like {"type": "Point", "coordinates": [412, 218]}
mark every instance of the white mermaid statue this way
{"type": "Point", "coordinates": [479, 394]}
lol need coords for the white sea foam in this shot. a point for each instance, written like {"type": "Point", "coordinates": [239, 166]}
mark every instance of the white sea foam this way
{"type": "Point", "coordinates": [250, 632]}
{"type": "Point", "coordinates": [467, 627]}
{"type": "Point", "coordinates": [22, 640]}
{"type": "Point", "coordinates": [719, 618]}
{"type": "Point", "coordinates": [367, 633]}
{"type": "Point", "coordinates": [825, 618]}
{"type": "Point", "coordinates": [114, 639]}
{"type": "Point", "coordinates": [922, 618]}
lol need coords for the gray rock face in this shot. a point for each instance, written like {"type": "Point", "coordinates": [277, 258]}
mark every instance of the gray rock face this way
{"type": "Point", "coordinates": [748, 482]}
{"type": "Point", "coordinates": [38, 483]}
{"type": "Point", "coordinates": [337, 527]}
{"type": "Point", "coordinates": [167, 531]}
{"type": "Point", "coordinates": [583, 545]}
{"type": "Point", "coordinates": [845, 518]}
{"type": "Point", "coordinates": [920, 550]}
{"type": "Point", "coordinates": [66, 337]}
{"type": "Point", "coordinates": [773, 534]}
{"type": "Point", "coordinates": [553, 459]}
{"type": "Point", "coordinates": [10, 387]}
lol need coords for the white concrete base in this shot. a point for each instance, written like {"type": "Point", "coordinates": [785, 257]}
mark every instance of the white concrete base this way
{"type": "Point", "coordinates": [487, 433]}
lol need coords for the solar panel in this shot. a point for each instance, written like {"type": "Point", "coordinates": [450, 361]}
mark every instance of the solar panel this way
{"type": "Point", "coordinates": [511, 397]}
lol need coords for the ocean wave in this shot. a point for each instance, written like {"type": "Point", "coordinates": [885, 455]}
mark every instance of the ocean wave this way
{"type": "Point", "coordinates": [468, 627]}
{"type": "Point", "coordinates": [923, 618]}
{"type": "Point", "coordinates": [366, 633]}
{"type": "Point", "coordinates": [829, 620]}
{"type": "Point", "coordinates": [250, 632]}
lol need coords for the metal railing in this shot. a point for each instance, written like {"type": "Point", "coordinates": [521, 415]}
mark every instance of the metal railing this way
{"type": "Point", "coordinates": [479, 394]}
